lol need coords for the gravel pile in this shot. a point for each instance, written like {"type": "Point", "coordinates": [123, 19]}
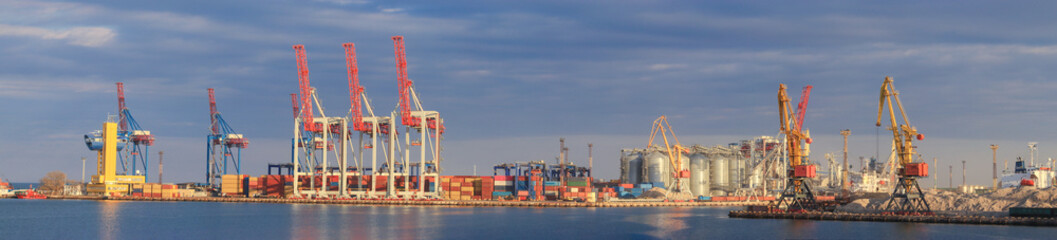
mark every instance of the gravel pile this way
{"type": "Point", "coordinates": [993, 203]}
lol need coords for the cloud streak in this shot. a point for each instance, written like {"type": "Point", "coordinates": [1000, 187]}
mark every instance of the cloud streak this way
{"type": "Point", "coordinates": [78, 36]}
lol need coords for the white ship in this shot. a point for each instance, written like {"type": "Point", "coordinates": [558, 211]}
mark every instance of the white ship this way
{"type": "Point", "coordinates": [1027, 175]}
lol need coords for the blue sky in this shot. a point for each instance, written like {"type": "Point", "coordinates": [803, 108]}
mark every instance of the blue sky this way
{"type": "Point", "coordinates": [511, 77]}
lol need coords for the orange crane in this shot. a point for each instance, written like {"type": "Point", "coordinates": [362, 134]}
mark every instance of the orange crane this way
{"type": "Point", "coordinates": [679, 172]}
{"type": "Point", "coordinates": [797, 196]}
{"type": "Point", "coordinates": [907, 197]}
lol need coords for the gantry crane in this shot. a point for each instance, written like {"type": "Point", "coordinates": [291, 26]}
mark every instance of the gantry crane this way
{"type": "Point", "coordinates": [364, 123]}
{"type": "Point", "coordinates": [223, 146]}
{"type": "Point", "coordinates": [680, 174]}
{"type": "Point", "coordinates": [136, 140]}
{"type": "Point", "coordinates": [797, 195]}
{"type": "Point", "coordinates": [907, 197]}
{"type": "Point", "coordinates": [429, 125]}
{"type": "Point", "coordinates": [314, 139]}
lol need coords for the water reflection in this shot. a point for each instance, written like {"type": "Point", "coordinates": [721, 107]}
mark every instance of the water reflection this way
{"type": "Point", "coordinates": [108, 219]}
{"type": "Point", "coordinates": [665, 223]}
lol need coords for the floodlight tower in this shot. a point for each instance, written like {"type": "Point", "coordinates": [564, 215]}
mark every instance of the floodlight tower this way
{"type": "Point", "coordinates": [136, 141]}
{"type": "Point", "coordinates": [223, 146]}
{"type": "Point", "coordinates": [429, 126]}
{"type": "Point", "coordinates": [314, 139]}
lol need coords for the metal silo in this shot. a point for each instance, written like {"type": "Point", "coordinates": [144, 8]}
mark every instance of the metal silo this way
{"type": "Point", "coordinates": [635, 167]}
{"type": "Point", "coordinates": [720, 171]}
{"type": "Point", "coordinates": [734, 163]}
{"type": "Point", "coordinates": [656, 163]}
{"type": "Point", "coordinates": [699, 174]}
{"type": "Point", "coordinates": [631, 166]}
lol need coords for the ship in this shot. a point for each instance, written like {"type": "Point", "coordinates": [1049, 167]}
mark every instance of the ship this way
{"type": "Point", "coordinates": [1027, 175]}
{"type": "Point", "coordinates": [29, 194]}
{"type": "Point", "coordinates": [5, 189]}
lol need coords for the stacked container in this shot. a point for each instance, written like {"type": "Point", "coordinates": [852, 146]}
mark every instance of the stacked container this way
{"type": "Point", "coordinates": [504, 187]}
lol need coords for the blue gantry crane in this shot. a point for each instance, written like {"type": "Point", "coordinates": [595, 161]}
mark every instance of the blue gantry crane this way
{"type": "Point", "coordinates": [136, 141]}
{"type": "Point", "coordinates": [223, 146]}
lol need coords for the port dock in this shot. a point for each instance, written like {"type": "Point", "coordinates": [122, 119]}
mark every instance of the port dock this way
{"type": "Point", "coordinates": [404, 202]}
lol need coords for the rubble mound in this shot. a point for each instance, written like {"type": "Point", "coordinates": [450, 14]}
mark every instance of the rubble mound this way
{"type": "Point", "coordinates": [661, 193]}
{"type": "Point", "coordinates": [991, 203]}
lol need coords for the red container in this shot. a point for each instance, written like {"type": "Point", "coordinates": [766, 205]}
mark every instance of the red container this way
{"type": "Point", "coordinates": [806, 171]}
{"type": "Point", "coordinates": [916, 169]}
{"type": "Point", "coordinates": [627, 186]}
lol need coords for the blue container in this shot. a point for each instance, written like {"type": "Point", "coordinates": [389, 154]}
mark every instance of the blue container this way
{"type": "Point", "coordinates": [552, 183]}
{"type": "Point", "coordinates": [703, 198]}
{"type": "Point", "coordinates": [619, 189]}
{"type": "Point", "coordinates": [645, 185]}
{"type": "Point", "coordinates": [502, 194]}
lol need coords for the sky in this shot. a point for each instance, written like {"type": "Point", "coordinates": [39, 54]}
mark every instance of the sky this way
{"type": "Point", "coordinates": [512, 77]}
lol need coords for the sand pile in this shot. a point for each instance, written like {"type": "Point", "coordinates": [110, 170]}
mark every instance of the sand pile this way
{"type": "Point", "coordinates": [954, 202]}
{"type": "Point", "coordinates": [660, 193]}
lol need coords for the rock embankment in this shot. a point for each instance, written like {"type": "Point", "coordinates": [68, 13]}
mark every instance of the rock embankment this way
{"type": "Point", "coordinates": [996, 203]}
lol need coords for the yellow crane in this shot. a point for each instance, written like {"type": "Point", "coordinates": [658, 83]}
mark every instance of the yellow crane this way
{"type": "Point", "coordinates": [797, 195]}
{"type": "Point", "coordinates": [679, 172]}
{"type": "Point", "coordinates": [907, 197]}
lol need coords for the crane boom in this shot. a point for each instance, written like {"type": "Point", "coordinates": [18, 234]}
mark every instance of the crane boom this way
{"type": "Point", "coordinates": [403, 82]}
{"type": "Point", "coordinates": [801, 108]}
{"type": "Point", "coordinates": [661, 126]}
{"type": "Point", "coordinates": [213, 113]}
{"type": "Point", "coordinates": [355, 90]}
{"type": "Point", "coordinates": [293, 101]}
{"type": "Point", "coordinates": [123, 122]}
{"type": "Point", "coordinates": [305, 89]}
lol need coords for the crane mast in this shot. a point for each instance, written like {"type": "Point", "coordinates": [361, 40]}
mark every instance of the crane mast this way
{"type": "Point", "coordinates": [907, 197]}
{"type": "Point", "coordinates": [223, 145]}
{"type": "Point", "coordinates": [797, 195]}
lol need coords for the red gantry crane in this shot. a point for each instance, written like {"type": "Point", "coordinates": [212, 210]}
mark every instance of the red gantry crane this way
{"type": "Point", "coordinates": [797, 196]}
{"type": "Point", "coordinates": [314, 139]}
{"type": "Point", "coordinates": [223, 146]}
{"type": "Point", "coordinates": [429, 126]}
{"type": "Point", "coordinates": [907, 197]}
{"type": "Point", "coordinates": [365, 123]}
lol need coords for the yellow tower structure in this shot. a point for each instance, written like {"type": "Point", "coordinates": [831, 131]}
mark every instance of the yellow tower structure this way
{"type": "Point", "coordinates": [106, 181]}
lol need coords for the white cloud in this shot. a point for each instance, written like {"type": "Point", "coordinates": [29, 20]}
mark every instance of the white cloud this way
{"type": "Point", "coordinates": [37, 88]}
{"type": "Point", "coordinates": [343, 2]}
{"type": "Point", "coordinates": [663, 66]}
{"type": "Point", "coordinates": [79, 36]}
{"type": "Point", "coordinates": [392, 10]}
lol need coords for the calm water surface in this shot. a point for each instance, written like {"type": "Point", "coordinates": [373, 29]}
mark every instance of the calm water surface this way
{"type": "Point", "coordinates": [74, 219]}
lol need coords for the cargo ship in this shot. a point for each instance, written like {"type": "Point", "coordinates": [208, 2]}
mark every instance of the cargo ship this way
{"type": "Point", "coordinates": [5, 189]}
{"type": "Point", "coordinates": [1025, 175]}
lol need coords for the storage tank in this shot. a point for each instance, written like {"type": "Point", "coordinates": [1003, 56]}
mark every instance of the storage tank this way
{"type": "Point", "coordinates": [720, 170]}
{"type": "Point", "coordinates": [699, 175]}
{"type": "Point", "coordinates": [734, 175]}
{"type": "Point", "coordinates": [631, 166]}
{"type": "Point", "coordinates": [635, 167]}
{"type": "Point", "coordinates": [656, 163]}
